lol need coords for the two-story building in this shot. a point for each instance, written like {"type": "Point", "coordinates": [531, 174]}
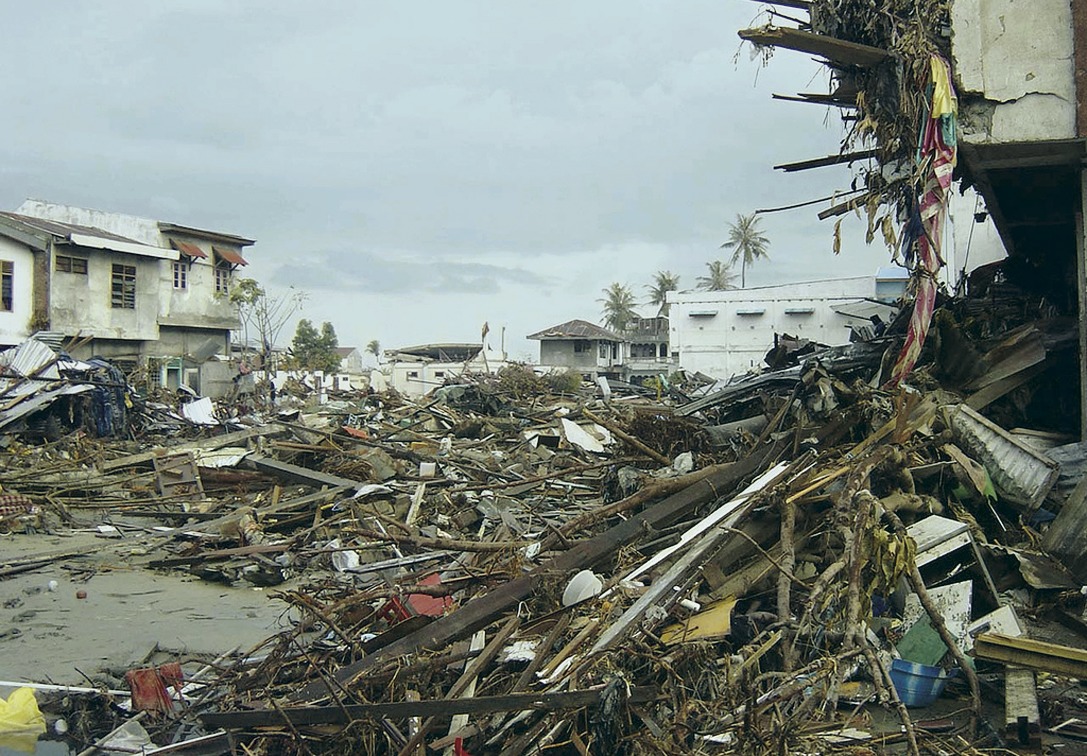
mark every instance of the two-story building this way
{"type": "Point", "coordinates": [582, 346]}
{"type": "Point", "coordinates": [139, 292]}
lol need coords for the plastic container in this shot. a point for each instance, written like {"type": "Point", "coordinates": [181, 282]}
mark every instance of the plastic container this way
{"type": "Point", "coordinates": [917, 684]}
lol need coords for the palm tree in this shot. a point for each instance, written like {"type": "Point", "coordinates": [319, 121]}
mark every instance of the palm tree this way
{"type": "Point", "coordinates": [720, 277]}
{"type": "Point", "coordinates": [618, 304]}
{"type": "Point", "coordinates": [747, 242]}
{"type": "Point", "coordinates": [374, 348]}
{"type": "Point", "coordinates": [664, 281]}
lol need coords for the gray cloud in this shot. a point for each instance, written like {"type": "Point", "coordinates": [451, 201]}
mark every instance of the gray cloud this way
{"type": "Point", "coordinates": [381, 274]}
{"type": "Point", "coordinates": [524, 154]}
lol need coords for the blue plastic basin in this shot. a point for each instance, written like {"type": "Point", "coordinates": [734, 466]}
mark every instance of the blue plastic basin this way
{"type": "Point", "coordinates": [917, 684]}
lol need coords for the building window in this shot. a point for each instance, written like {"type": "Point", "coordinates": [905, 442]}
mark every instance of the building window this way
{"type": "Point", "coordinates": [581, 346]}
{"type": "Point", "coordinates": [69, 264]}
{"type": "Point", "coordinates": [439, 374]}
{"type": "Point", "coordinates": [603, 352]}
{"type": "Point", "coordinates": [413, 374]}
{"type": "Point", "coordinates": [181, 275]}
{"type": "Point", "coordinates": [7, 285]}
{"type": "Point", "coordinates": [123, 287]}
{"type": "Point", "coordinates": [222, 278]}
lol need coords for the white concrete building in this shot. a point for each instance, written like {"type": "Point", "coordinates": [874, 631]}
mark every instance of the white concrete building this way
{"type": "Point", "coordinates": [137, 291]}
{"type": "Point", "coordinates": [722, 333]}
{"type": "Point", "coordinates": [418, 370]}
{"type": "Point", "coordinates": [351, 361]}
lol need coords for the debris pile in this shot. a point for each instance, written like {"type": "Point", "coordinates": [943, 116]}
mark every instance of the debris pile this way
{"type": "Point", "coordinates": [801, 561]}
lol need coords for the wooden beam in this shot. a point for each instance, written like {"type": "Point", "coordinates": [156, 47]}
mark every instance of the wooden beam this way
{"type": "Point", "coordinates": [1033, 654]}
{"type": "Point", "coordinates": [828, 100]}
{"type": "Point", "coordinates": [483, 610]}
{"type": "Point", "coordinates": [798, 4]}
{"type": "Point", "coordinates": [314, 715]}
{"type": "Point", "coordinates": [823, 162]}
{"type": "Point", "coordinates": [835, 50]}
{"type": "Point", "coordinates": [1022, 720]}
{"type": "Point", "coordinates": [300, 474]}
{"type": "Point", "coordinates": [845, 207]}
{"type": "Point", "coordinates": [206, 444]}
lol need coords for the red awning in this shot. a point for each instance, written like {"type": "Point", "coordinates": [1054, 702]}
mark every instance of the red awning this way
{"type": "Point", "coordinates": [187, 248]}
{"type": "Point", "coordinates": [230, 256]}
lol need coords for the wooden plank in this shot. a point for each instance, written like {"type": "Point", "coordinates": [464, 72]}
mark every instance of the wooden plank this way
{"type": "Point", "coordinates": [482, 611]}
{"type": "Point", "coordinates": [714, 530]}
{"type": "Point", "coordinates": [1066, 537]}
{"type": "Point", "coordinates": [299, 473]}
{"type": "Point", "coordinates": [1022, 721]}
{"type": "Point", "coordinates": [835, 50]}
{"type": "Point", "coordinates": [207, 444]}
{"type": "Point", "coordinates": [982, 398]}
{"type": "Point", "coordinates": [847, 157]}
{"type": "Point", "coordinates": [314, 715]}
{"type": "Point", "coordinates": [1033, 654]}
{"type": "Point", "coordinates": [825, 100]}
{"type": "Point", "coordinates": [798, 4]}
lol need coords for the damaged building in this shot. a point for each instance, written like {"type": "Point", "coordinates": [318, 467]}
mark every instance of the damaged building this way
{"type": "Point", "coordinates": [144, 294]}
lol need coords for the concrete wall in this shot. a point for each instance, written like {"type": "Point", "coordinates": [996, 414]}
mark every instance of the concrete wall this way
{"type": "Point", "coordinates": [727, 332]}
{"type": "Point", "coordinates": [1014, 64]}
{"type": "Point", "coordinates": [198, 304]}
{"type": "Point", "coordinates": [82, 303]}
{"type": "Point", "coordinates": [560, 354]}
{"type": "Point", "coordinates": [14, 324]}
{"type": "Point", "coordinates": [143, 230]}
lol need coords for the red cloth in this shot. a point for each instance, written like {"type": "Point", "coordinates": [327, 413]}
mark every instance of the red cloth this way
{"type": "Point", "coordinates": [148, 686]}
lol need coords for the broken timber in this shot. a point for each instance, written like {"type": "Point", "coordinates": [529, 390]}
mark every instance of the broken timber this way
{"type": "Point", "coordinates": [1033, 654]}
{"type": "Point", "coordinates": [207, 444]}
{"type": "Point", "coordinates": [313, 715]}
{"type": "Point", "coordinates": [482, 611]}
{"type": "Point", "coordinates": [835, 50]}
{"type": "Point", "coordinates": [822, 162]}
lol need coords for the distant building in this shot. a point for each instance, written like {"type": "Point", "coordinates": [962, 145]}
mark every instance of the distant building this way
{"type": "Point", "coordinates": [648, 349]}
{"type": "Point", "coordinates": [636, 353]}
{"type": "Point", "coordinates": [580, 345]}
{"type": "Point", "coordinates": [350, 360]}
{"type": "Point", "coordinates": [722, 333]}
{"type": "Point", "coordinates": [140, 292]}
{"type": "Point", "coordinates": [417, 370]}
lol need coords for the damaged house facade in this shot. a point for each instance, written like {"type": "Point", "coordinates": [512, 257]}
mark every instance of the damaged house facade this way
{"type": "Point", "coordinates": [1011, 85]}
{"type": "Point", "coordinates": [141, 293]}
{"type": "Point", "coordinates": [639, 352]}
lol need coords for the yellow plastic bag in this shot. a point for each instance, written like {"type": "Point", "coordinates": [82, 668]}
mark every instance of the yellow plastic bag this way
{"type": "Point", "coordinates": [21, 722]}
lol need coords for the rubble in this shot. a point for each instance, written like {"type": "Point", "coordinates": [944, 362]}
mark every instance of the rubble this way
{"type": "Point", "coordinates": [501, 566]}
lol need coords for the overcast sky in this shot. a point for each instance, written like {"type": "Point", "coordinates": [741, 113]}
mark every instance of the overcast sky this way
{"type": "Point", "coordinates": [420, 168]}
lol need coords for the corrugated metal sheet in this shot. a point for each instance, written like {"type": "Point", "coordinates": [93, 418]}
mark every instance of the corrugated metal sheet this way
{"type": "Point", "coordinates": [1072, 459]}
{"type": "Point", "coordinates": [229, 255]}
{"type": "Point", "coordinates": [29, 357]}
{"type": "Point", "coordinates": [1022, 475]}
{"type": "Point", "coordinates": [187, 248]}
{"type": "Point", "coordinates": [576, 329]}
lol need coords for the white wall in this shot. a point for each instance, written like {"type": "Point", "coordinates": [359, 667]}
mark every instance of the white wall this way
{"type": "Point", "coordinates": [713, 335]}
{"type": "Point", "coordinates": [80, 303]}
{"type": "Point", "coordinates": [143, 230]}
{"type": "Point", "coordinates": [13, 325]}
{"type": "Point", "coordinates": [1019, 55]}
{"type": "Point", "coordinates": [971, 244]}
